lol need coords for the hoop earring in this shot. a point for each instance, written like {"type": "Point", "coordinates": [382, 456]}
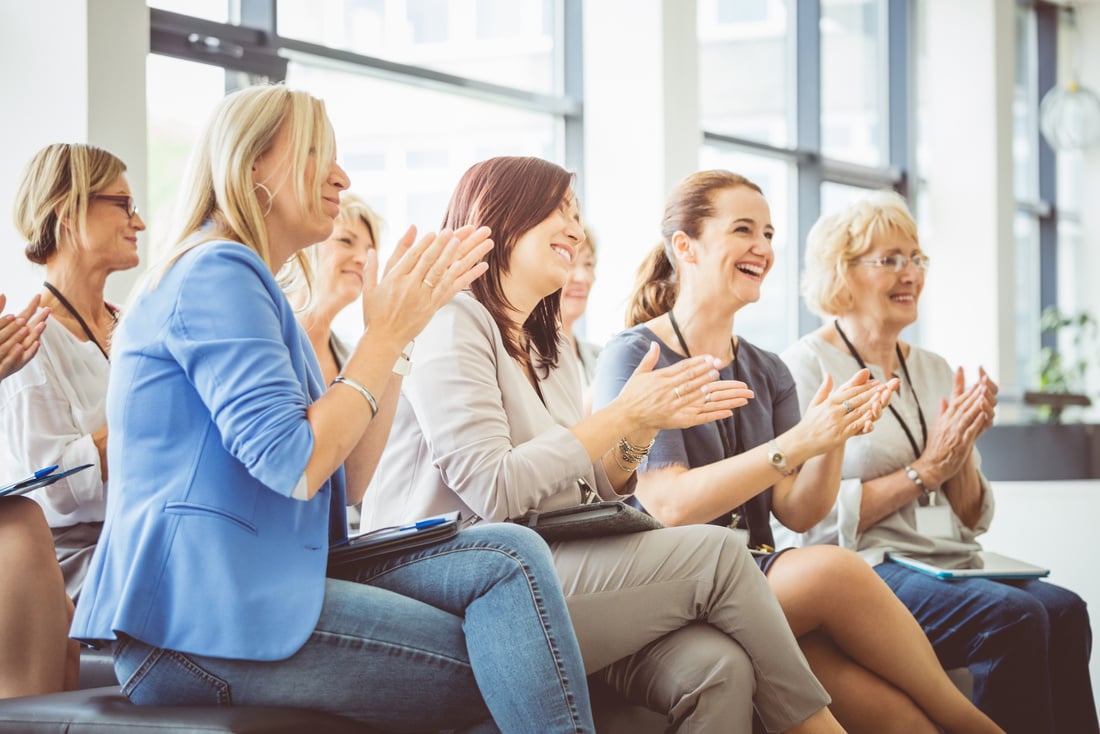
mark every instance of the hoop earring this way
{"type": "Point", "coordinates": [270, 197]}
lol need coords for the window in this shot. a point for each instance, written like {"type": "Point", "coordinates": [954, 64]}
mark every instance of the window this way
{"type": "Point", "coordinates": [853, 84]}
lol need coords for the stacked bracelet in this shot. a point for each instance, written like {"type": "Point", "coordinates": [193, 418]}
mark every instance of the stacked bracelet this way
{"type": "Point", "coordinates": [341, 380]}
{"type": "Point", "coordinates": [631, 455]}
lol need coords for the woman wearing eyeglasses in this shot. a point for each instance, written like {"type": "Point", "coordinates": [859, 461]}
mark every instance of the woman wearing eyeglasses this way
{"type": "Point", "coordinates": [915, 485]}
{"type": "Point", "coordinates": [76, 213]}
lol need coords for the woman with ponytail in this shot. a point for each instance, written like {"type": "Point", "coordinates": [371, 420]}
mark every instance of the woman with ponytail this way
{"type": "Point", "coordinates": [864, 645]}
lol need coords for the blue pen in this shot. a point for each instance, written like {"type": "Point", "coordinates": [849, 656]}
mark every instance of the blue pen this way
{"type": "Point", "coordinates": [45, 471]}
{"type": "Point", "coordinates": [431, 522]}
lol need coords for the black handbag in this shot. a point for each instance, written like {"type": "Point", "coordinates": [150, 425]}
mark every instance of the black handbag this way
{"type": "Point", "coordinates": [594, 520]}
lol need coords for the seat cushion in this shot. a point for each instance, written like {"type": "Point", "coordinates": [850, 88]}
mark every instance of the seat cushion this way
{"type": "Point", "coordinates": [102, 710]}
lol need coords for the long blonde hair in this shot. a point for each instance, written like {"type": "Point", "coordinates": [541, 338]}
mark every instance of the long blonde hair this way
{"type": "Point", "coordinates": [56, 186]}
{"type": "Point", "coordinates": [217, 186]}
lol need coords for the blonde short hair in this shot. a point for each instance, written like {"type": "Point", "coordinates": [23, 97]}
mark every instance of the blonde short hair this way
{"type": "Point", "coordinates": [353, 208]}
{"type": "Point", "coordinates": [837, 239]}
{"type": "Point", "coordinates": [56, 186]}
{"type": "Point", "coordinates": [218, 187]}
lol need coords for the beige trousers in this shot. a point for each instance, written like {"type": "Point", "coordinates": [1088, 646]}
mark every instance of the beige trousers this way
{"type": "Point", "coordinates": [682, 621]}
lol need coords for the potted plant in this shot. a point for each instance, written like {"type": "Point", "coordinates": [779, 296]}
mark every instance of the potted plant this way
{"type": "Point", "coordinates": [1062, 374]}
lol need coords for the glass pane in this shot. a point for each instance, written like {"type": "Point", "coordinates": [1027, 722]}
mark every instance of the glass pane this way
{"type": "Point", "coordinates": [836, 196]}
{"type": "Point", "coordinates": [180, 95]}
{"type": "Point", "coordinates": [508, 42]}
{"type": "Point", "coordinates": [216, 10]}
{"type": "Point", "coordinates": [771, 323]}
{"type": "Point", "coordinates": [405, 147]}
{"type": "Point", "coordinates": [853, 83]}
{"type": "Point", "coordinates": [1025, 109]}
{"type": "Point", "coordinates": [1027, 299]}
{"type": "Point", "coordinates": [743, 70]}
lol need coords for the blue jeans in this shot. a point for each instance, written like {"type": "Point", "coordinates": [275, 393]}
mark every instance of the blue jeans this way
{"type": "Point", "coordinates": [1027, 644]}
{"type": "Point", "coordinates": [467, 633]}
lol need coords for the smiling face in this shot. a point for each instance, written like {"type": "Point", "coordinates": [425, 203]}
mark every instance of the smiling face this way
{"type": "Point", "coordinates": [341, 259]}
{"type": "Point", "coordinates": [543, 256]}
{"type": "Point", "coordinates": [110, 233]}
{"type": "Point", "coordinates": [733, 253]}
{"type": "Point", "coordinates": [881, 295]}
{"type": "Point", "coordinates": [288, 218]}
{"type": "Point", "coordinates": [574, 295]}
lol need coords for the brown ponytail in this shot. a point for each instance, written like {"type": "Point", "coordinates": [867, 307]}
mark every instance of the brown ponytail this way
{"type": "Point", "coordinates": [655, 288]}
{"type": "Point", "coordinates": [689, 205]}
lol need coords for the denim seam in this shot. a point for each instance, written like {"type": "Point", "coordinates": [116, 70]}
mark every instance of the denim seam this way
{"type": "Point", "coordinates": [536, 597]}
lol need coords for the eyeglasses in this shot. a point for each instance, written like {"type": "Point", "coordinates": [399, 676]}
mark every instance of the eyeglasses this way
{"type": "Point", "coordinates": [126, 203]}
{"type": "Point", "coordinates": [897, 261]}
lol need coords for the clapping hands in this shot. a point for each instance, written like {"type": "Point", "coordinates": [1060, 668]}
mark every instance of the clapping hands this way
{"type": "Point", "coordinates": [421, 277]}
{"type": "Point", "coordinates": [19, 335]}
{"type": "Point", "coordinates": [832, 417]}
{"type": "Point", "coordinates": [965, 415]}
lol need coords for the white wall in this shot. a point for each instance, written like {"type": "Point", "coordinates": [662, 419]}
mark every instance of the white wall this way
{"type": "Point", "coordinates": [642, 135]}
{"type": "Point", "coordinates": [74, 71]}
{"type": "Point", "coordinates": [968, 303]}
{"type": "Point", "coordinates": [1053, 524]}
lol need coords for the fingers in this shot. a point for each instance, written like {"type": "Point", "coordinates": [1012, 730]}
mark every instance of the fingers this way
{"type": "Point", "coordinates": [27, 312]}
{"type": "Point", "coordinates": [960, 383]}
{"type": "Point", "coordinates": [726, 395]}
{"type": "Point", "coordinates": [649, 361]}
{"type": "Point", "coordinates": [402, 248]}
{"type": "Point", "coordinates": [824, 390]}
{"type": "Point", "coordinates": [461, 262]}
{"type": "Point", "coordinates": [3, 302]}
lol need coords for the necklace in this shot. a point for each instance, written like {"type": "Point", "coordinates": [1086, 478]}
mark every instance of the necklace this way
{"type": "Point", "coordinates": [912, 388]}
{"type": "Point", "coordinates": [760, 535]}
{"type": "Point", "coordinates": [80, 319]}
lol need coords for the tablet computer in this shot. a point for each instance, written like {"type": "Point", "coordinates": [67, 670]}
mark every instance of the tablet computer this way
{"type": "Point", "coordinates": [41, 478]}
{"type": "Point", "coordinates": [387, 541]}
{"type": "Point", "coordinates": [982, 564]}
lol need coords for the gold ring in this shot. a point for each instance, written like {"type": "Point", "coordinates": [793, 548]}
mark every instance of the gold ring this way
{"type": "Point", "coordinates": [847, 406]}
{"type": "Point", "coordinates": [707, 397]}
{"type": "Point", "coordinates": [677, 391]}
{"type": "Point", "coordinates": [428, 283]}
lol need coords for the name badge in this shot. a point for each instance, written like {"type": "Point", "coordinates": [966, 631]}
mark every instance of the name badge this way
{"type": "Point", "coordinates": [937, 521]}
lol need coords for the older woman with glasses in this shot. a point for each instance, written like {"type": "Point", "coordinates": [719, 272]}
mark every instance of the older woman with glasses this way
{"type": "Point", "coordinates": [915, 485]}
{"type": "Point", "coordinates": [75, 210]}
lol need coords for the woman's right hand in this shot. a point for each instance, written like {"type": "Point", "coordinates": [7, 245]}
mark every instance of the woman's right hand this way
{"type": "Point", "coordinates": [963, 416]}
{"type": "Point", "coordinates": [834, 416]}
{"type": "Point", "coordinates": [681, 395]}
{"type": "Point", "coordinates": [419, 278]}
{"type": "Point", "coordinates": [19, 334]}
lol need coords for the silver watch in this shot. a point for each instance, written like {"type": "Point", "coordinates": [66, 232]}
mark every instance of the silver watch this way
{"type": "Point", "coordinates": [403, 366]}
{"type": "Point", "coordinates": [778, 459]}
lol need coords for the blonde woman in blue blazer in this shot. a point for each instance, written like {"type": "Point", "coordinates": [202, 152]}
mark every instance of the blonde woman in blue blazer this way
{"type": "Point", "coordinates": [233, 465]}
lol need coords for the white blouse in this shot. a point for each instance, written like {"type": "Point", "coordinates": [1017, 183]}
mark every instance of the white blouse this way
{"type": "Point", "coordinates": [48, 411]}
{"type": "Point", "coordinates": [883, 451]}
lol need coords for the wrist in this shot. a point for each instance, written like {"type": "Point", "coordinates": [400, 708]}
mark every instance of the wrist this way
{"type": "Point", "coordinates": [928, 474]}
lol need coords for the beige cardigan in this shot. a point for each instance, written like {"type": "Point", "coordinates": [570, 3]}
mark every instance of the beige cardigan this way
{"type": "Point", "coordinates": [471, 434]}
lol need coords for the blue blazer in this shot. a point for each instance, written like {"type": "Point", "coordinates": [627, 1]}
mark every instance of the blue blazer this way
{"type": "Point", "coordinates": [203, 549]}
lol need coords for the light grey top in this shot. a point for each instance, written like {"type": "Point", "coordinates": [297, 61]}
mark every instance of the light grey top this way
{"type": "Point", "coordinates": [883, 451]}
{"type": "Point", "coordinates": [471, 433]}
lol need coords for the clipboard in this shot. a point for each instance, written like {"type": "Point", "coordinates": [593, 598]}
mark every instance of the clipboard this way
{"type": "Point", "coordinates": [42, 478]}
{"type": "Point", "coordinates": [983, 565]}
{"type": "Point", "coordinates": [345, 557]}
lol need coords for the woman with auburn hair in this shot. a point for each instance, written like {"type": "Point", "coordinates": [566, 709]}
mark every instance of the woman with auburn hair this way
{"type": "Point", "coordinates": [768, 459]}
{"type": "Point", "coordinates": [490, 423]}
{"type": "Point", "coordinates": [234, 465]}
{"type": "Point", "coordinates": [75, 210]}
{"type": "Point", "coordinates": [915, 485]}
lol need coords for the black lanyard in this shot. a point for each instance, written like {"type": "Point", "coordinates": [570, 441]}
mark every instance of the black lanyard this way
{"type": "Point", "coordinates": [766, 543]}
{"type": "Point", "coordinates": [79, 319]}
{"type": "Point", "coordinates": [905, 370]}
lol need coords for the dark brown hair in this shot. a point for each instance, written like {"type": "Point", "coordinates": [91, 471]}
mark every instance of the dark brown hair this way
{"type": "Point", "coordinates": [511, 195]}
{"type": "Point", "coordinates": [689, 205]}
